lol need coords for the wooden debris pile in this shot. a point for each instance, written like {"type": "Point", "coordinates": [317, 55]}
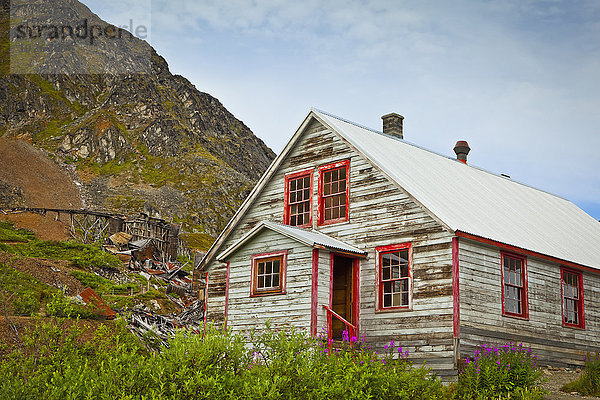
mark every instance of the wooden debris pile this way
{"type": "Point", "coordinates": [145, 323]}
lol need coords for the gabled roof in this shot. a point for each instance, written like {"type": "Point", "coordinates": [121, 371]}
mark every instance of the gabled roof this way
{"type": "Point", "coordinates": [307, 237]}
{"type": "Point", "coordinates": [462, 198]}
{"type": "Point", "coordinates": [477, 202]}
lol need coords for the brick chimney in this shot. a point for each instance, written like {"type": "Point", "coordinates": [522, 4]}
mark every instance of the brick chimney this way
{"type": "Point", "coordinates": [462, 149]}
{"type": "Point", "coordinates": [392, 125]}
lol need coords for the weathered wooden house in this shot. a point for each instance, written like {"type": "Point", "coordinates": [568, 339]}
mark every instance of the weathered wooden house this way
{"type": "Point", "coordinates": [351, 227]}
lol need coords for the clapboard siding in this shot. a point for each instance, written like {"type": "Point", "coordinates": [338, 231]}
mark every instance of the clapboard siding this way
{"type": "Point", "coordinates": [481, 319]}
{"type": "Point", "coordinates": [283, 310]}
{"type": "Point", "coordinates": [379, 214]}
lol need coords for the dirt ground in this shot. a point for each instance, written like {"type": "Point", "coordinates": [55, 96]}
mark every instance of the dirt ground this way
{"type": "Point", "coordinates": [43, 182]}
{"type": "Point", "coordinates": [555, 378]}
{"type": "Point", "coordinates": [45, 227]}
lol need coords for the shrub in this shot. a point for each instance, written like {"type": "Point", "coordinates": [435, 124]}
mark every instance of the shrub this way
{"type": "Point", "coordinates": [8, 233]}
{"type": "Point", "coordinates": [508, 371]}
{"type": "Point", "coordinates": [61, 306]}
{"type": "Point", "coordinates": [588, 383]}
{"type": "Point", "coordinates": [26, 293]}
{"type": "Point", "coordinates": [55, 364]}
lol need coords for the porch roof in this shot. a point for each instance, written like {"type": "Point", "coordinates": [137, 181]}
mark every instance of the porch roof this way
{"type": "Point", "coordinates": [307, 237]}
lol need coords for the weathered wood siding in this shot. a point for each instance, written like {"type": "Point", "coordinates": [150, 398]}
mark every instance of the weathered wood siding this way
{"type": "Point", "coordinates": [380, 214]}
{"type": "Point", "coordinates": [283, 310]}
{"type": "Point", "coordinates": [215, 296]}
{"type": "Point", "coordinates": [481, 319]}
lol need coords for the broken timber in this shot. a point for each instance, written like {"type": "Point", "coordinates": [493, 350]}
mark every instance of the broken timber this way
{"type": "Point", "coordinates": [93, 226]}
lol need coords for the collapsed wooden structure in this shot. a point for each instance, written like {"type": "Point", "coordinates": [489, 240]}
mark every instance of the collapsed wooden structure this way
{"type": "Point", "coordinates": [94, 226]}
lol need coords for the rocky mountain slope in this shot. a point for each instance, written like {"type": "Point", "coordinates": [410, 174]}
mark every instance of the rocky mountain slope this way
{"type": "Point", "coordinates": [133, 136]}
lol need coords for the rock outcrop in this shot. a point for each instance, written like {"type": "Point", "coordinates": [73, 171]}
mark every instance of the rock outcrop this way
{"type": "Point", "coordinates": [137, 140]}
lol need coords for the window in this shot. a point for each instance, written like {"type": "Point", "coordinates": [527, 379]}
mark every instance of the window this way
{"type": "Point", "coordinates": [333, 192]}
{"type": "Point", "coordinates": [268, 273]}
{"type": "Point", "coordinates": [298, 199]}
{"type": "Point", "coordinates": [514, 286]}
{"type": "Point", "coordinates": [394, 276]}
{"type": "Point", "coordinates": [572, 298]}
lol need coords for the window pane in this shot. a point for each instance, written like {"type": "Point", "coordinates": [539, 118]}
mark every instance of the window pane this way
{"type": "Point", "coordinates": [387, 287]}
{"type": "Point", "coordinates": [306, 194]}
{"type": "Point", "coordinates": [404, 271]}
{"type": "Point", "coordinates": [261, 268]}
{"type": "Point", "coordinates": [395, 272]}
{"type": "Point", "coordinates": [268, 266]}
{"type": "Point", "coordinates": [399, 286]}
{"type": "Point", "coordinates": [334, 175]}
{"type": "Point", "coordinates": [387, 300]}
{"type": "Point", "coordinates": [386, 273]}
{"type": "Point", "coordinates": [396, 299]}
{"type": "Point", "coordinates": [276, 266]}
{"type": "Point", "coordinates": [292, 185]}
{"type": "Point", "coordinates": [334, 187]}
{"type": "Point", "coordinates": [328, 214]}
{"type": "Point", "coordinates": [261, 282]}
{"type": "Point", "coordinates": [386, 259]}
{"type": "Point", "coordinates": [275, 280]}
{"type": "Point", "coordinates": [404, 299]}
{"type": "Point", "coordinates": [342, 186]}
{"type": "Point", "coordinates": [343, 211]}
{"type": "Point", "coordinates": [335, 213]}
{"type": "Point", "coordinates": [307, 182]}
{"type": "Point", "coordinates": [405, 285]}
{"type": "Point", "coordinates": [342, 173]}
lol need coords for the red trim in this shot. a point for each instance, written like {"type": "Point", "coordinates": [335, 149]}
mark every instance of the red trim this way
{"type": "Point", "coordinates": [205, 299]}
{"type": "Point", "coordinates": [520, 250]}
{"type": "Point", "coordinates": [314, 292]}
{"type": "Point", "coordinates": [455, 289]}
{"type": "Point", "coordinates": [286, 211]}
{"type": "Point", "coordinates": [581, 308]}
{"type": "Point", "coordinates": [283, 272]}
{"type": "Point", "coordinates": [329, 317]}
{"type": "Point", "coordinates": [379, 251]}
{"type": "Point", "coordinates": [226, 293]}
{"type": "Point", "coordinates": [525, 296]}
{"type": "Point", "coordinates": [320, 212]}
{"type": "Point", "coordinates": [355, 295]}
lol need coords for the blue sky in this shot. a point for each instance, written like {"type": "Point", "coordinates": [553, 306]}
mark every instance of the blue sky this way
{"type": "Point", "coordinates": [518, 79]}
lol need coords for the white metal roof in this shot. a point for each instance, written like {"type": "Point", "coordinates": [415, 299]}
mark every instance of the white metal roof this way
{"type": "Point", "coordinates": [474, 201]}
{"type": "Point", "coordinates": [307, 237]}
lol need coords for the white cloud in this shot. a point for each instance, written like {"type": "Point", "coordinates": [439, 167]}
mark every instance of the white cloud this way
{"type": "Point", "coordinates": [517, 78]}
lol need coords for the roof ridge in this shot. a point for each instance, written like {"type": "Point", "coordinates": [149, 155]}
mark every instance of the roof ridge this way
{"type": "Point", "coordinates": [499, 175]}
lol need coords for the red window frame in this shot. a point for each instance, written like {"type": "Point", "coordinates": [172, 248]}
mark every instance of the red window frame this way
{"type": "Point", "coordinates": [265, 257]}
{"type": "Point", "coordinates": [286, 210]}
{"type": "Point", "coordinates": [512, 283]}
{"type": "Point", "coordinates": [579, 308]}
{"type": "Point", "coordinates": [322, 197]}
{"type": "Point", "coordinates": [380, 252]}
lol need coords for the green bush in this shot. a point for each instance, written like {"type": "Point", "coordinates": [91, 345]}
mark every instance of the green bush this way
{"type": "Point", "coordinates": [54, 364]}
{"type": "Point", "coordinates": [26, 293]}
{"type": "Point", "coordinates": [82, 255]}
{"type": "Point", "coordinates": [61, 306]}
{"type": "Point", "coordinates": [8, 233]}
{"type": "Point", "coordinates": [589, 382]}
{"type": "Point", "coordinates": [507, 371]}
